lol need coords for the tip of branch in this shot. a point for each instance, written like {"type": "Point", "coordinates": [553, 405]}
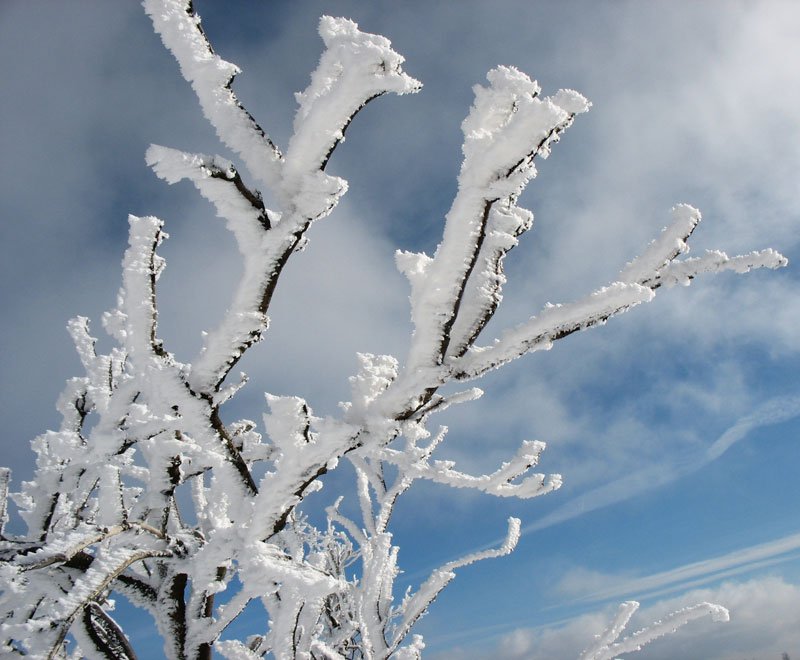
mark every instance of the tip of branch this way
{"type": "Point", "coordinates": [512, 536]}
{"type": "Point", "coordinates": [571, 101]}
{"type": "Point", "coordinates": [718, 613]}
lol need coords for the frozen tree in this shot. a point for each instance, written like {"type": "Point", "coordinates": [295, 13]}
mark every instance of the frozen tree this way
{"type": "Point", "coordinates": [145, 491]}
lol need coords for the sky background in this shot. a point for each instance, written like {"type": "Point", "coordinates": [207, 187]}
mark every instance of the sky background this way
{"type": "Point", "coordinates": [675, 426]}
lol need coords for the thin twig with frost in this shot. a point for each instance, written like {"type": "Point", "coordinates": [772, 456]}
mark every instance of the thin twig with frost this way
{"type": "Point", "coordinates": [606, 646]}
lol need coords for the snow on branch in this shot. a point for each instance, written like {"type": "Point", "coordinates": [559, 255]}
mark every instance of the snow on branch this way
{"type": "Point", "coordinates": [483, 291]}
{"type": "Point", "coordinates": [498, 483]}
{"type": "Point", "coordinates": [64, 549]}
{"type": "Point", "coordinates": [98, 631]}
{"type": "Point", "coordinates": [56, 609]}
{"type": "Point", "coordinates": [553, 323]}
{"type": "Point", "coordinates": [107, 563]}
{"type": "Point", "coordinates": [658, 265]}
{"type": "Point", "coordinates": [249, 221]}
{"type": "Point", "coordinates": [141, 268]}
{"type": "Point", "coordinates": [355, 68]}
{"type": "Point", "coordinates": [714, 261]}
{"type": "Point", "coordinates": [5, 477]}
{"type": "Point", "coordinates": [413, 607]}
{"type": "Point", "coordinates": [666, 247]}
{"type": "Point", "coordinates": [218, 181]}
{"type": "Point", "coordinates": [508, 126]}
{"type": "Point", "coordinates": [606, 646]}
{"type": "Point", "coordinates": [508, 545]}
{"type": "Point", "coordinates": [211, 78]}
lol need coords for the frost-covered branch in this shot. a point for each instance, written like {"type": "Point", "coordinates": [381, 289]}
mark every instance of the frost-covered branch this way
{"type": "Point", "coordinates": [554, 322]}
{"type": "Point", "coordinates": [415, 606]}
{"type": "Point", "coordinates": [657, 266]}
{"type": "Point", "coordinates": [714, 261]}
{"type": "Point", "coordinates": [455, 292]}
{"type": "Point", "coordinates": [355, 68]}
{"type": "Point", "coordinates": [63, 550]}
{"type": "Point", "coordinates": [98, 631]}
{"type": "Point", "coordinates": [211, 78]}
{"type": "Point", "coordinates": [606, 646]}
{"type": "Point", "coordinates": [499, 482]}
{"type": "Point", "coordinates": [5, 477]}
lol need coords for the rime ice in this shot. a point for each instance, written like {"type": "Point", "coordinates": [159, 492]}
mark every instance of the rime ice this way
{"type": "Point", "coordinates": [102, 512]}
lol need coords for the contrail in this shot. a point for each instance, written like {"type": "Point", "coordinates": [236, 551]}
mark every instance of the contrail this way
{"type": "Point", "coordinates": [774, 411]}
{"type": "Point", "coordinates": [700, 572]}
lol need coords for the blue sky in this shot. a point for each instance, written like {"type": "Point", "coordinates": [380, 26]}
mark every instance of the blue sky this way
{"type": "Point", "coordinates": [675, 426]}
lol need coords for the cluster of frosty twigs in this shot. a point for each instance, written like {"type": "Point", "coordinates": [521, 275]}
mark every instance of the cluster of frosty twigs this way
{"type": "Point", "coordinates": [606, 646]}
{"type": "Point", "coordinates": [103, 512]}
